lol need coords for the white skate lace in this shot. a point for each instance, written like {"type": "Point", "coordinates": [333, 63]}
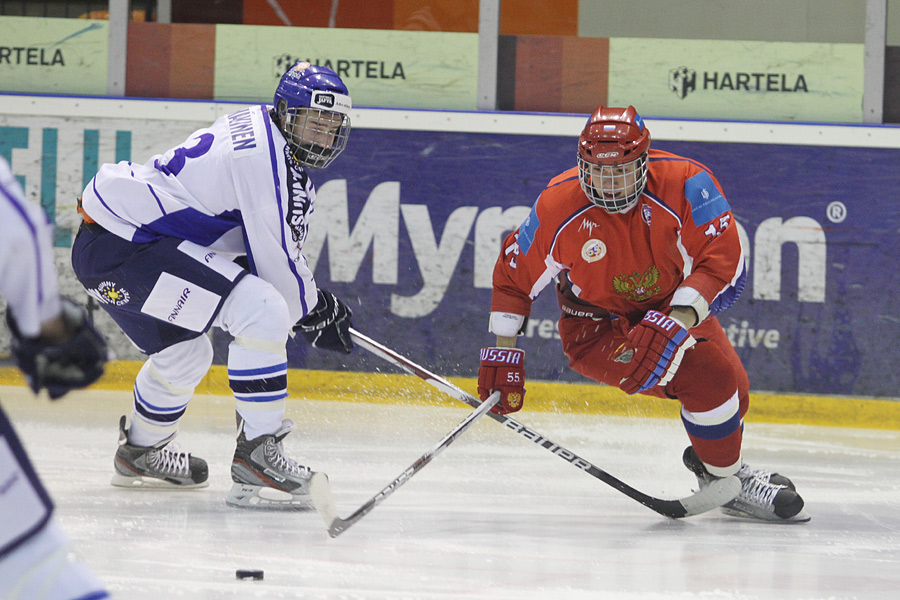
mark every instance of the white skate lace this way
{"type": "Point", "coordinates": [746, 472]}
{"type": "Point", "coordinates": [172, 462]}
{"type": "Point", "coordinates": [758, 491]}
{"type": "Point", "coordinates": [276, 457]}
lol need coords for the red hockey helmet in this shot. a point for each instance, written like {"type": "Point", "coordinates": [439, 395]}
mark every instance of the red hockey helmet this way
{"type": "Point", "coordinates": [612, 158]}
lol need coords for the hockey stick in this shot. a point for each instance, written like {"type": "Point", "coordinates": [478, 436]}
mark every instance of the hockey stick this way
{"type": "Point", "coordinates": [320, 489]}
{"type": "Point", "coordinates": [714, 495]}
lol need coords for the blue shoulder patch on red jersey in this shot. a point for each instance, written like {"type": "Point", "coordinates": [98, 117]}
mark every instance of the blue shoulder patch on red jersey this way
{"type": "Point", "coordinates": [707, 202]}
{"type": "Point", "coordinates": [527, 230]}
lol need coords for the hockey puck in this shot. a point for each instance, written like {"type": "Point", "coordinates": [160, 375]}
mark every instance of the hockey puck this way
{"type": "Point", "coordinates": [252, 574]}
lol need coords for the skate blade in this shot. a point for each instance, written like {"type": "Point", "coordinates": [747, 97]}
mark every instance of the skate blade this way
{"type": "Point", "coordinates": [800, 517]}
{"type": "Point", "coordinates": [152, 483]}
{"type": "Point", "coordinates": [244, 495]}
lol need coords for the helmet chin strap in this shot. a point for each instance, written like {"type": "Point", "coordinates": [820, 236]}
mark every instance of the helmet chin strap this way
{"type": "Point", "coordinates": [316, 150]}
{"type": "Point", "coordinates": [614, 205]}
{"type": "Point", "coordinates": [629, 203]}
{"type": "Point", "coordinates": [311, 154]}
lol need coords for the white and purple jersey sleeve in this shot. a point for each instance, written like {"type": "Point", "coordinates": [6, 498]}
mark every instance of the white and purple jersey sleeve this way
{"type": "Point", "coordinates": [229, 188]}
{"type": "Point", "coordinates": [27, 269]}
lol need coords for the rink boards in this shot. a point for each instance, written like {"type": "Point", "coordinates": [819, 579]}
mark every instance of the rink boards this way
{"type": "Point", "coordinates": [543, 397]}
{"type": "Point", "coordinates": [409, 221]}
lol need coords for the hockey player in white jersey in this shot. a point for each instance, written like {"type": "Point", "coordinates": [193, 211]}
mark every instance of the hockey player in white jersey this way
{"type": "Point", "coordinates": [57, 349]}
{"type": "Point", "coordinates": [156, 249]}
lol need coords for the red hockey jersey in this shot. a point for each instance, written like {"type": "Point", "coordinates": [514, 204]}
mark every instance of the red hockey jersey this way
{"type": "Point", "coordinates": [680, 234]}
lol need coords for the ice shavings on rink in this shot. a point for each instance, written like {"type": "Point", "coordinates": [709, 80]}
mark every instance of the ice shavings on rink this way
{"type": "Point", "coordinates": [493, 517]}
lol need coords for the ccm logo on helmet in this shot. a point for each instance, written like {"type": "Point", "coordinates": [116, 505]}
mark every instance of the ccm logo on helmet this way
{"type": "Point", "coordinates": [606, 154]}
{"type": "Point", "coordinates": [323, 99]}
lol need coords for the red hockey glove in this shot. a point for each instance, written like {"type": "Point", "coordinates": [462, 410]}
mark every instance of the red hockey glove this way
{"type": "Point", "coordinates": [654, 347]}
{"type": "Point", "coordinates": [503, 369]}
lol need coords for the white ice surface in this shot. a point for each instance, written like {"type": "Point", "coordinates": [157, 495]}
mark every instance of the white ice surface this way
{"type": "Point", "coordinates": [493, 517]}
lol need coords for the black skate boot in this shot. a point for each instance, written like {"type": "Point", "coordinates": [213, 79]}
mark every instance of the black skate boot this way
{"type": "Point", "coordinates": [158, 466]}
{"type": "Point", "coordinates": [764, 495]}
{"type": "Point", "coordinates": [264, 477]}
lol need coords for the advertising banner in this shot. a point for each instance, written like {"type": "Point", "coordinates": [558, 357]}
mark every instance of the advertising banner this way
{"type": "Point", "coordinates": [410, 69]}
{"type": "Point", "coordinates": [412, 243]}
{"type": "Point", "coordinates": [718, 79]}
{"type": "Point", "coordinates": [47, 56]}
{"type": "Point", "coordinates": [408, 224]}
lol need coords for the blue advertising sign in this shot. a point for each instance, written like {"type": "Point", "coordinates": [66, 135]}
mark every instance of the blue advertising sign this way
{"type": "Point", "coordinates": [822, 314]}
{"type": "Point", "coordinates": [408, 226]}
{"type": "Point", "coordinates": [409, 223]}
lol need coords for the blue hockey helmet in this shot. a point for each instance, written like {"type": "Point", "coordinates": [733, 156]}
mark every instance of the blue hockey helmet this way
{"type": "Point", "coordinates": [312, 106]}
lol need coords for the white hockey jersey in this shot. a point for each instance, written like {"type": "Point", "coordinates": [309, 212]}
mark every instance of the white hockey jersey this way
{"type": "Point", "coordinates": [230, 188]}
{"type": "Point", "coordinates": [27, 269]}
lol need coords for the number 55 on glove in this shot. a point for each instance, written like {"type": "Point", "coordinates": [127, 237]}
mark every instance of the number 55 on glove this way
{"type": "Point", "coordinates": [503, 370]}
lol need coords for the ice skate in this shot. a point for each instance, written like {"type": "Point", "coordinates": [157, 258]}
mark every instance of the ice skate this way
{"type": "Point", "coordinates": [264, 477]}
{"type": "Point", "coordinates": [764, 495]}
{"type": "Point", "coordinates": [158, 466]}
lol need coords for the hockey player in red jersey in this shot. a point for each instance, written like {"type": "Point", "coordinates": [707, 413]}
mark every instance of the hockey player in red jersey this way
{"type": "Point", "coordinates": [644, 252]}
